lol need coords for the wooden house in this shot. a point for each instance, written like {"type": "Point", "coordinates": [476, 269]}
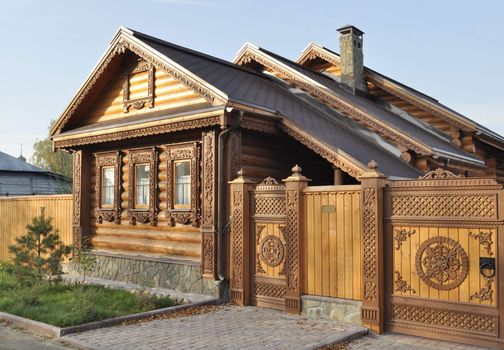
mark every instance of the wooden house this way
{"type": "Point", "coordinates": [157, 131]}
{"type": "Point", "coordinates": [20, 178]}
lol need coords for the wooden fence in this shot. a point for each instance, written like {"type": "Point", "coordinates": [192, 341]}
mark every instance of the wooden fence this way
{"type": "Point", "coordinates": [17, 212]}
{"type": "Point", "coordinates": [333, 241]}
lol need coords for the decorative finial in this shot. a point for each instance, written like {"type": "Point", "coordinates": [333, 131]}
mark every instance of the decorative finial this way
{"type": "Point", "coordinates": [241, 173]}
{"type": "Point", "coordinates": [373, 165]}
{"type": "Point", "coordinates": [296, 169]}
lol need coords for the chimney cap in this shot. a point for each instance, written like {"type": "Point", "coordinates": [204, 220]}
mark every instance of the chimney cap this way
{"type": "Point", "coordinates": [350, 29]}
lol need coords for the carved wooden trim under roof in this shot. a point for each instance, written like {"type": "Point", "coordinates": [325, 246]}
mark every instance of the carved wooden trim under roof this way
{"type": "Point", "coordinates": [206, 120]}
{"type": "Point", "coordinates": [119, 47]}
{"type": "Point", "coordinates": [326, 96]}
{"type": "Point", "coordinates": [314, 51]}
{"type": "Point", "coordinates": [338, 160]}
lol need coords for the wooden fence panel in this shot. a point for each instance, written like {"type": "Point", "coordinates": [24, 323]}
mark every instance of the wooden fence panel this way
{"type": "Point", "coordinates": [17, 212]}
{"type": "Point", "coordinates": [333, 241]}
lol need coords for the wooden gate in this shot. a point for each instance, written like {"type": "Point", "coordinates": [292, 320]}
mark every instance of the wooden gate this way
{"type": "Point", "coordinates": [268, 246]}
{"type": "Point", "coordinates": [443, 250]}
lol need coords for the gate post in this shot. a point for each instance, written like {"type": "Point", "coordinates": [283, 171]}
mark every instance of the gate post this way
{"type": "Point", "coordinates": [294, 236]}
{"type": "Point", "coordinates": [240, 245]}
{"type": "Point", "coordinates": [372, 313]}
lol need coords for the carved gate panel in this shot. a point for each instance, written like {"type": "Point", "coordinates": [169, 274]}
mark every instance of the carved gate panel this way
{"type": "Point", "coordinates": [442, 252]}
{"type": "Point", "coordinates": [268, 245]}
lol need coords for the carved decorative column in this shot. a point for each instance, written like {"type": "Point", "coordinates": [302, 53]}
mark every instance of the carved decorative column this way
{"type": "Point", "coordinates": [240, 245]}
{"type": "Point", "coordinates": [294, 236]}
{"type": "Point", "coordinates": [372, 248]}
{"type": "Point", "coordinates": [81, 200]}
{"type": "Point", "coordinates": [209, 217]}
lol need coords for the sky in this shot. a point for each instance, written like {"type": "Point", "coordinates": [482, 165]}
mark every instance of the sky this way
{"type": "Point", "coordinates": [451, 50]}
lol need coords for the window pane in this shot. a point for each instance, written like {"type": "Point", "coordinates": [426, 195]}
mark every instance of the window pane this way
{"type": "Point", "coordinates": [107, 186]}
{"type": "Point", "coordinates": [142, 184]}
{"type": "Point", "coordinates": [182, 183]}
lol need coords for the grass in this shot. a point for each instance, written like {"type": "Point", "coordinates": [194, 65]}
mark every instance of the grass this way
{"type": "Point", "coordinates": [64, 305]}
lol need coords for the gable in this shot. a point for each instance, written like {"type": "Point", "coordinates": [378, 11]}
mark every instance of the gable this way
{"type": "Point", "coordinates": [138, 87]}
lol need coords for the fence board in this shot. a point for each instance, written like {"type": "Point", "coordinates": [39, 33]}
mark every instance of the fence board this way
{"type": "Point", "coordinates": [333, 241]}
{"type": "Point", "coordinates": [17, 212]}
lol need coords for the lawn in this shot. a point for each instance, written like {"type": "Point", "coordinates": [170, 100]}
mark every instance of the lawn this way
{"type": "Point", "coordinates": [66, 305]}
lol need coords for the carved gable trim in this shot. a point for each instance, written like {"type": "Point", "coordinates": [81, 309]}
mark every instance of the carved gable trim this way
{"type": "Point", "coordinates": [119, 47]}
{"type": "Point", "coordinates": [143, 215]}
{"type": "Point", "coordinates": [112, 214]}
{"type": "Point", "coordinates": [184, 151]}
{"type": "Point", "coordinates": [327, 97]}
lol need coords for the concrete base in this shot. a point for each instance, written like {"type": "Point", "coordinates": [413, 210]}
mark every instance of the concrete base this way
{"type": "Point", "coordinates": [178, 275]}
{"type": "Point", "coordinates": [341, 310]}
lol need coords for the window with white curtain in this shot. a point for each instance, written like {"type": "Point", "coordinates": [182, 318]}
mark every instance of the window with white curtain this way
{"type": "Point", "coordinates": [107, 186]}
{"type": "Point", "coordinates": [142, 185]}
{"type": "Point", "coordinates": [182, 184]}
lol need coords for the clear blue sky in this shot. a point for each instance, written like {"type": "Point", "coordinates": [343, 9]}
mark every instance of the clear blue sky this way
{"type": "Point", "coordinates": [451, 50]}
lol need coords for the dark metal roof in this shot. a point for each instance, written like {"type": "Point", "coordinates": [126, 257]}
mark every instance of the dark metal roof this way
{"type": "Point", "coordinates": [10, 163]}
{"type": "Point", "coordinates": [247, 86]}
{"type": "Point", "coordinates": [423, 133]}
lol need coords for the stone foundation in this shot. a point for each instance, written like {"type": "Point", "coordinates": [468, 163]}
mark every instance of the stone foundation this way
{"type": "Point", "coordinates": [341, 310]}
{"type": "Point", "coordinates": [176, 275]}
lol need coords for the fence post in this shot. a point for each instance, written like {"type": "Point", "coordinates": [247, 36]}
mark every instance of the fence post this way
{"type": "Point", "coordinates": [372, 249]}
{"type": "Point", "coordinates": [240, 245]}
{"type": "Point", "coordinates": [294, 236]}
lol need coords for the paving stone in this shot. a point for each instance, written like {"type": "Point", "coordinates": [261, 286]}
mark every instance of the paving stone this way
{"type": "Point", "coordinates": [16, 339]}
{"type": "Point", "coordinates": [229, 327]}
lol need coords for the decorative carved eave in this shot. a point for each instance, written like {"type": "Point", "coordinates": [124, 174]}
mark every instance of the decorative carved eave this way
{"type": "Point", "coordinates": [343, 161]}
{"type": "Point", "coordinates": [316, 51]}
{"type": "Point", "coordinates": [251, 53]}
{"type": "Point", "coordinates": [126, 40]}
{"type": "Point", "coordinates": [140, 130]}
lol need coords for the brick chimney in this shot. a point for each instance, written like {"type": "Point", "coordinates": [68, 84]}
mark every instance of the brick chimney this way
{"type": "Point", "coordinates": [352, 58]}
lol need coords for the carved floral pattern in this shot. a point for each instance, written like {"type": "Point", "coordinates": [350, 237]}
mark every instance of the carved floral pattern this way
{"type": "Point", "coordinates": [401, 285]}
{"type": "Point", "coordinates": [441, 263]}
{"type": "Point", "coordinates": [439, 174]}
{"type": "Point", "coordinates": [272, 251]}
{"type": "Point", "coordinates": [486, 293]}
{"type": "Point", "coordinates": [401, 236]}
{"type": "Point", "coordinates": [485, 239]}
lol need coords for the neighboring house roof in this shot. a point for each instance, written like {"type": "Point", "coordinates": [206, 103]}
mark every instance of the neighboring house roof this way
{"type": "Point", "coordinates": [10, 163]}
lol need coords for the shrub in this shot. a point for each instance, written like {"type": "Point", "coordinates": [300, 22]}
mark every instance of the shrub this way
{"type": "Point", "coordinates": [39, 252]}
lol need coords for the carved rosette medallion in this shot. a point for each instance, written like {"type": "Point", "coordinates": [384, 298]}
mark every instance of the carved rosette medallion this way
{"type": "Point", "coordinates": [272, 251]}
{"type": "Point", "coordinates": [442, 263]}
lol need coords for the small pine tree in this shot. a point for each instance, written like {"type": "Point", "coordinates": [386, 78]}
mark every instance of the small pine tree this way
{"type": "Point", "coordinates": [41, 250]}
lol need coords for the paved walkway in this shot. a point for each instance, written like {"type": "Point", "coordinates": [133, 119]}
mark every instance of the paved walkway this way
{"type": "Point", "coordinates": [404, 342]}
{"type": "Point", "coordinates": [15, 339]}
{"type": "Point", "coordinates": [229, 327]}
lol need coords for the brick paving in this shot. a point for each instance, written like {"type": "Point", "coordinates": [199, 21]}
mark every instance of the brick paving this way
{"type": "Point", "coordinates": [404, 342]}
{"type": "Point", "coordinates": [229, 327]}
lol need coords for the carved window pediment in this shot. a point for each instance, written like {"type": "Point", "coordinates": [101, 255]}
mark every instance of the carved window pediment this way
{"type": "Point", "coordinates": [188, 214]}
{"type": "Point", "coordinates": [110, 212]}
{"type": "Point", "coordinates": [145, 214]}
{"type": "Point", "coordinates": [130, 100]}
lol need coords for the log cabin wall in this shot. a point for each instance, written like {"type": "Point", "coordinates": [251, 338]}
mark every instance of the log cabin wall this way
{"type": "Point", "coordinates": [149, 89]}
{"type": "Point", "coordinates": [266, 155]}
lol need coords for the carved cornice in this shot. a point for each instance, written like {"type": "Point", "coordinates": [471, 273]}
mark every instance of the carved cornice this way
{"type": "Point", "coordinates": [317, 52]}
{"type": "Point", "coordinates": [261, 126]}
{"type": "Point", "coordinates": [141, 132]}
{"type": "Point", "coordinates": [338, 160]}
{"type": "Point", "coordinates": [337, 103]}
{"type": "Point", "coordinates": [119, 48]}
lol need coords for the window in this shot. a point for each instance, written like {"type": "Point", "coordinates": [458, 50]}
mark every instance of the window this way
{"type": "Point", "coordinates": [182, 184]}
{"type": "Point", "coordinates": [108, 187]}
{"type": "Point", "coordinates": [142, 185]}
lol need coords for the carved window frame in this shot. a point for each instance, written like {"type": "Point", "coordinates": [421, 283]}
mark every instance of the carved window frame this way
{"type": "Point", "coordinates": [146, 215]}
{"type": "Point", "coordinates": [139, 103]}
{"type": "Point", "coordinates": [108, 213]}
{"type": "Point", "coordinates": [189, 151]}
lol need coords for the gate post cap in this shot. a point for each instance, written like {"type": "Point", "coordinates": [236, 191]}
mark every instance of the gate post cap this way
{"type": "Point", "coordinates": [241, 178]}
{"type": "Point", "coordinates": [296, 175]}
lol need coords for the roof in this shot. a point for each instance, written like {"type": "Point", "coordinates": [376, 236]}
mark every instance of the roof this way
{"type": "Point", "coordinates": [10, 163]}
{"type": "Point", "coordinates": [244, 85]}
